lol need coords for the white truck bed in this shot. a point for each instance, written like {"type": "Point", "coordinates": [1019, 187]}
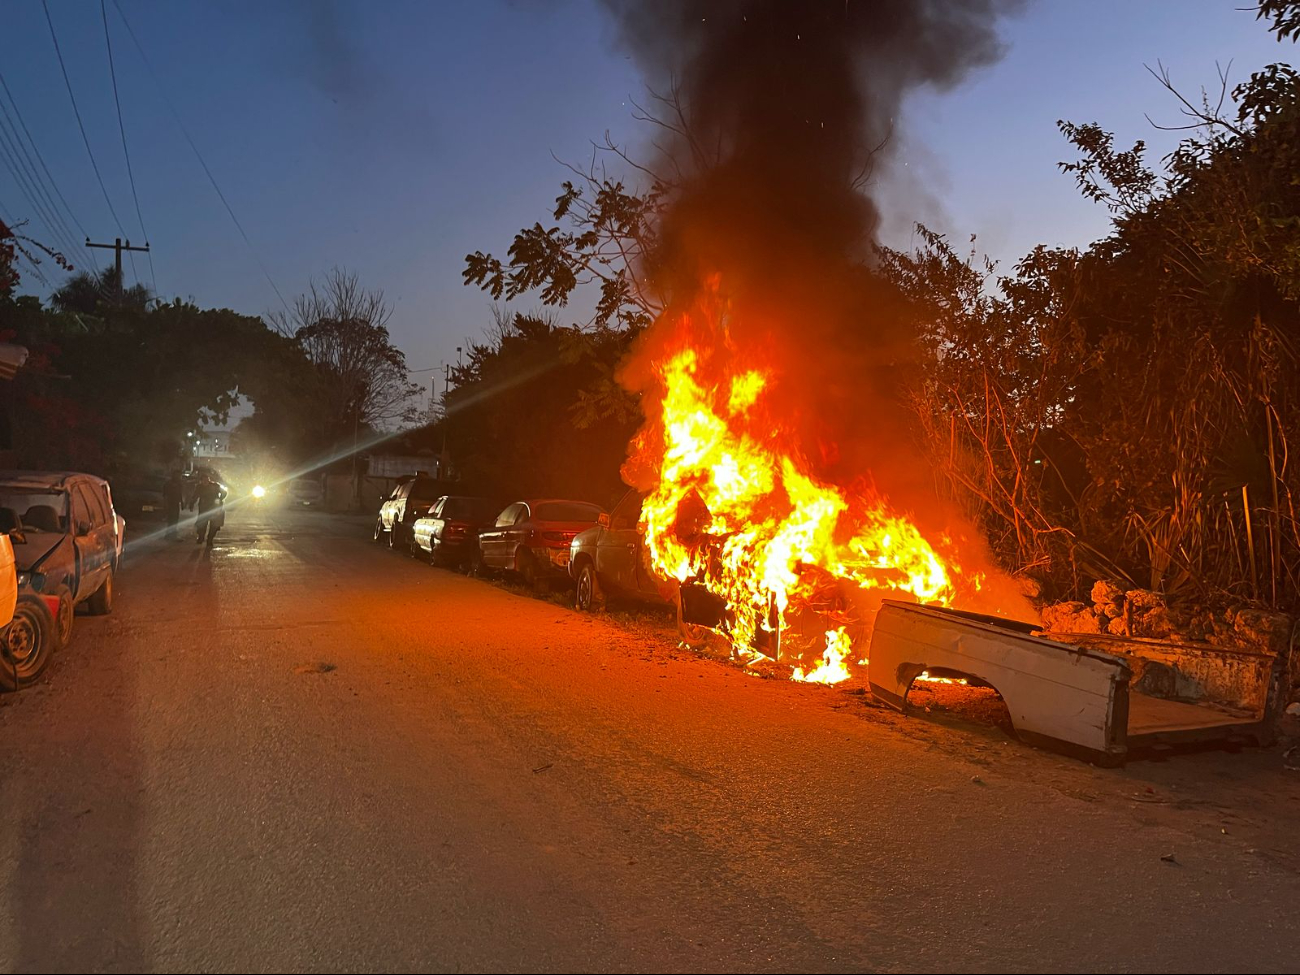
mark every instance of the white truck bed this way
{"type": "Point", "coordinates": [1080, 696]}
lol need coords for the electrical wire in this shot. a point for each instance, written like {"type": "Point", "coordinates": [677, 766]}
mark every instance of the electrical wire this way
{"type": "Point", "coordinates": [13, 162]}
{"type": "Point", "coordinates": [121, 126]}
{"type": "Point", "coordinates": [80, 125]}
{"type": "Point", "coordinates": [53, 183]}
{"type": "Point", "coordinates": [18, 158]}
{"type": "Point", "coordinates": [199, 156]}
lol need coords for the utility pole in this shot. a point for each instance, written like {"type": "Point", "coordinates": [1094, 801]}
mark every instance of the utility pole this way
{"type": "Point", "coordinates": [117, 247]}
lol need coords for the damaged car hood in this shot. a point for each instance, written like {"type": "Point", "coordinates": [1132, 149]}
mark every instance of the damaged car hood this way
{"type": "Point", "coordinates": [29, 554]}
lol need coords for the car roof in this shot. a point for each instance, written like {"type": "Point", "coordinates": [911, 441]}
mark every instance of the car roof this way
{"type": "Point", "coordinates": [534, 501]}
{"type": "Point", "coordinates": [41, 479]}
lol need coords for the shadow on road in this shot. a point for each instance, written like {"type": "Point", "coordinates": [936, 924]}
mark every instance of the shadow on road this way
{"type": "Point", "coordinates": [73, 899]}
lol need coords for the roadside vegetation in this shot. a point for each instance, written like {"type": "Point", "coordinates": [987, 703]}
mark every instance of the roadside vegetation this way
{"type": "Point", "coordinates": [1125, 411]}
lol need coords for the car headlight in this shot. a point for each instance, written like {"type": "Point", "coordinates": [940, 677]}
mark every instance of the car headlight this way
{"type": "Point", "coordinates": [23, 578]}
{"type": "Point", "coordinates": [259, 491]}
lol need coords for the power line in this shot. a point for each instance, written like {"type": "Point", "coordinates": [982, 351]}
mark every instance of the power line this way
{"type": "Point", "coordinates": [12, 161]}
{"type": "Point", "coordinates": [199, 156]}
{"type": "Point", "coordinates": [80, 125]}
{"type": "Point", "coordinates": [112, 72]}
{"type": "Point", "coordinates": [17, 156]}
{"type": "Point", "coordinates": [46, 169]}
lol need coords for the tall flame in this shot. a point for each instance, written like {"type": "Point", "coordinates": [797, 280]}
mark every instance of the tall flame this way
{"type": "Point", "coordinates": [736, 510]}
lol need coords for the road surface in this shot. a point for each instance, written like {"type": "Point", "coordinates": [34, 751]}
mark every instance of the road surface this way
{"type": "Point", "coordinates": [301, 752]}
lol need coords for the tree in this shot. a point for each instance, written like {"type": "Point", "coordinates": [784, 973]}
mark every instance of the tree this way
{"type": "Point", "coordinates": [362, 379]}
{"type": "Point", "coordinates": [14, 245]}
{"type": "Point", "coordinates": [1127, 411]}
{"type": "Point", "coordinates": [91, 294]}
{"type": "Point", "coordinates": [520, 418]}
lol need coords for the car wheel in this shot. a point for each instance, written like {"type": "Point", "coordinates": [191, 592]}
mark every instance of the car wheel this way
{"type": "Point", "coordinates": [474, 565]}
{"type": "Point", "coordinates": [529, 572]}
{"type": "Point", "coordinates": [392, 535]}
{"type": "Point", "coordinates": [589, 597]}
{"type": "Point", "coordinates": [101, 603]}
{"type": "Point", "coordinates": [413, 547]}
{"type": "Point", "coordinates": [64, 617]}
{"type": "Point", "coordinates": [27, 642]}
{"type": "Point", "coordinates": [379, 530]}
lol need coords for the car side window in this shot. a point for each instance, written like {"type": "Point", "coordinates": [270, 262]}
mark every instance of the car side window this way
{"type": "Point", "coordinates": [106, 496]}
{"type": "Point", "coordinates": [436, 510]}
{"type": "Point", "coordinates": [508, 516]}
{"type": "Point", "coordinates": [94, 510]}
{"type": "Point", "coordinates": [98, 495]}
{"type": "Point", "coordinates": [627, 512]}
{"type": "Point", "coordinates": [80, 509]}
{"type": "Point", "coordinates": [523, 515]}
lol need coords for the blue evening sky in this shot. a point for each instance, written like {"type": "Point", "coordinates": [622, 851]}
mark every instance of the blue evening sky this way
{"type": "Point", "coordinates": [394, 137]}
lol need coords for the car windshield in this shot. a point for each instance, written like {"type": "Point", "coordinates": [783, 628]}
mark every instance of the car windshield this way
{"type": "Point", "coordinates": [470, 509]}
{"type": "Point", "coordinates": [42, 511]}
{"type": "Point", "coordinates": [565, 511]}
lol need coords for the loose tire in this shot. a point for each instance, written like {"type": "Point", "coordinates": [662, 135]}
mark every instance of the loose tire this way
{"type": "Point", "coordinates": [27, 643]}
{"type": "Point", "coordinates": [588, 597]}
{"type": "Point", "coordinates": [692, 634]}
{"type": "Point", "coordinates": [101, 603]}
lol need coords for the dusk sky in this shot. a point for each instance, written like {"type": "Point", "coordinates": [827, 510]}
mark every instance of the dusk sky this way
{"type": "Point", "coordinates": [393, 138]}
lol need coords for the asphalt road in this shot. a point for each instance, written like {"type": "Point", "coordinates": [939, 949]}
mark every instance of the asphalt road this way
{"type": "Point", "coordinates": [302, 752]}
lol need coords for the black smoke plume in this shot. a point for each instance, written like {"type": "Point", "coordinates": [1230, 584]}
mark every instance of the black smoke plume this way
{"type": "Point", "coordinates": [789, 110]}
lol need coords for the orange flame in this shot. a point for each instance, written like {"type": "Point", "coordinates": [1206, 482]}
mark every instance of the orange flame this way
{"type": "Point", "coordinates": [737, 512]}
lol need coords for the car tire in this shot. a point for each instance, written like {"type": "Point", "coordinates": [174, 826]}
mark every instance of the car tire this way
{"type": "Point", "coordinates": [64, 617]}
{"type": "Point", "coordinates": [27, 643]}
{"type": "Point", "coordinates": [588, 596]}
{"type": "Point", "coordinates": [378, 535]}
{"type": "Point", "coordinates": [101, 603]}
{"type": "Point", "coordinates": [392, 535]}
{"type": "Point", "coordinates": [528, 571]}
{"type": "Point", "coordinates": [474, 564]}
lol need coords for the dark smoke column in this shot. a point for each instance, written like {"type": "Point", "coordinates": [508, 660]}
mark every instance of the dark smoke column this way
{"type": "Point", "coordinates": [787, 107]}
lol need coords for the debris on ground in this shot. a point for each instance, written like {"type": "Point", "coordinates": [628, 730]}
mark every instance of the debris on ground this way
{"type": "Point", "coordinates": [321, 667]}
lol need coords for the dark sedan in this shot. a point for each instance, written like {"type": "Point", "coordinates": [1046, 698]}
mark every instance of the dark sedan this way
{"type": "Point", "coordinates": [532, 538]}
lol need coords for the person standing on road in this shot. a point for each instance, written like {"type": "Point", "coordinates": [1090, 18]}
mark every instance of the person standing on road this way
{"type": "Point", "coordinates": [208, 498]}
{"type": "Point", "coordinates": [173, 497]}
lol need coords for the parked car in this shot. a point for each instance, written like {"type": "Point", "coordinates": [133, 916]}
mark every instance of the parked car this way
{"type": "Point", "coordinates": [306, 491]}
{"type": "Point", "coordinates": [410, 500]}
{"type": "Point", "coordinates": [67, 541]}
{"type": "Point", "coordinates": [448, 534]}
{"type": "Point", "coordinates": [140, 494]}
{"type": "Point", "coordinates": [609, 560]}
{"type": "Point", "coordinates": [532, 538]}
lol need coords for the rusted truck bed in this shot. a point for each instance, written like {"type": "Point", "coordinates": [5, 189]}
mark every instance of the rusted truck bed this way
{"type": "Point", "coordinates": [1090, 695]}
